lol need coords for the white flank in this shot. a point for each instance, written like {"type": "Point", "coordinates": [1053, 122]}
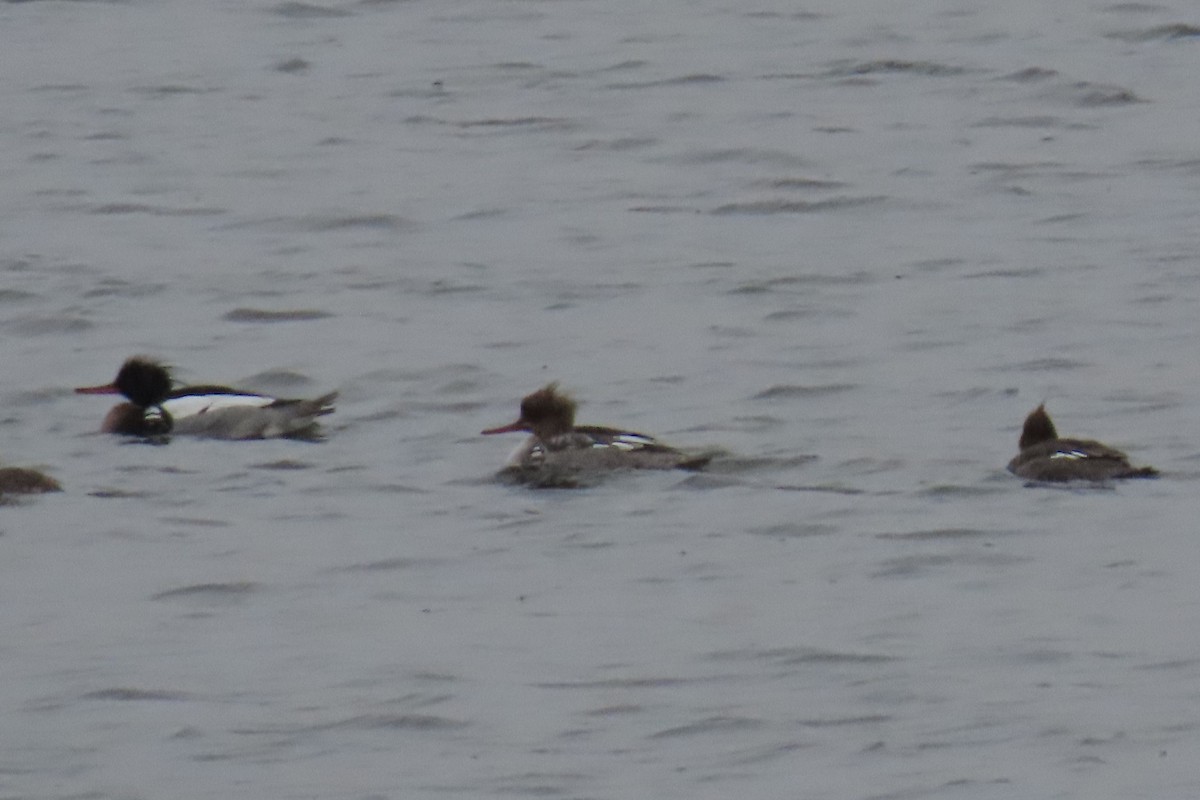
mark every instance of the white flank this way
{"type": "Point", "coordinates": [194, 404]}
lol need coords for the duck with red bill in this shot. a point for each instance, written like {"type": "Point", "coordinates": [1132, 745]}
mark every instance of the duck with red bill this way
{"type": "Point", "coordinates": [156, 406]}
{"type": "Point", "coordinates": [548, 415]}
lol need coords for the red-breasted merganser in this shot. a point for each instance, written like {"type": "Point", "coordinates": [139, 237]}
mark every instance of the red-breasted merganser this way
{"type": "Point", "coordinates": [556, 441]}
{"type": "Point", "coordinates": [156, 408]}
{"type": "Point", "coordinates": [1045, 457]}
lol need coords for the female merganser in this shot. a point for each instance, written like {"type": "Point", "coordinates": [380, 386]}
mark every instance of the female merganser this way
{"type": "Point", "coordinates": [19, 480]}
{"type": "Point", "coordinates": [556, 441]}
{"type": "Point", "coordinates": [1045, 457]}
{"type": "Point", "coordinates": [156, 408]}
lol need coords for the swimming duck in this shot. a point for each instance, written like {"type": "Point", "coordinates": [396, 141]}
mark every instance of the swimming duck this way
{"type": "Point", "coordinates": [156, 407]}
{"type": "Point", "coordinates": [1046, 457]}
{"type": "Point", "coordinates": [548, 415]}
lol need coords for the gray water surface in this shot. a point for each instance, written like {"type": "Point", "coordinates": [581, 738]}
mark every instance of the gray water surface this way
{"type": "Point", "coordinates": [849, 244]}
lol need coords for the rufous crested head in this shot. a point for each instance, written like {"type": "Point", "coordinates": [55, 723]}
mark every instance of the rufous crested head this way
{"type": "Point", "coordinates": [548, 405]}
{"type": "Point", "coordinates": [1038, 428]}
{"type": "Point", "coordinates": [545, 413]}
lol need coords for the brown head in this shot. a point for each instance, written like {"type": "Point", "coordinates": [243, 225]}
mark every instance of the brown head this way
{"type": "Point", "coordinates": [545, 413]}
{"type": "Point", "coordinates": [1038, 428]}
{"type": "Point", "coordinates": [144, 382]}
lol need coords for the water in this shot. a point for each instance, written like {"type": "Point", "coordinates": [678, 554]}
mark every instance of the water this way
{"type": "Point", "coordinates": [850, 244]}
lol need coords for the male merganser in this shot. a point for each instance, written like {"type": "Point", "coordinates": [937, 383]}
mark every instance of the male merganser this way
{"type": "Point", "coordinates": [556, 441]}
{"type": "Point", "coordinates": [156, 408]}
{"type": "Point", "coordinates": [1045, 457]}
{"type": "Point", "coordinates": [19, 480]}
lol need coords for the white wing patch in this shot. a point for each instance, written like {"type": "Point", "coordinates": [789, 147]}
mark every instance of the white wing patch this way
{"type": "Point", "coordinates": [194, 404]}
{"type": "Point", "coordinates": [626, 441]}
{"type": "Point", "coordinates": [1073, 455]}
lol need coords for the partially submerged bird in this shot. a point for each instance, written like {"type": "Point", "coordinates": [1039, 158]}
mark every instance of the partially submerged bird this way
{"type": "Point", "coordinates": [1046, 457]}
{"type": "Point", "coordinates": [156, 407]}
{"type": "Point", "coordinates": [558, 444]}
{"type": "Point", "coordinates": [21, 480]}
